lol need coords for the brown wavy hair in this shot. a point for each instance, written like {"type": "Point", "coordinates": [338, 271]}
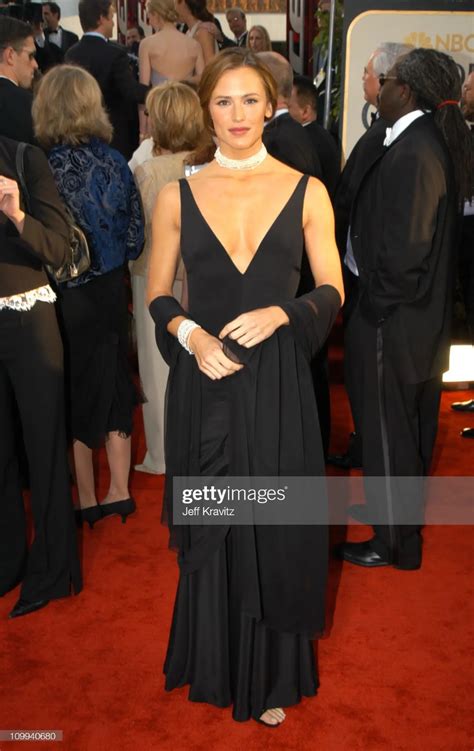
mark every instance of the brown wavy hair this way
{"type": "Point", "coordinates": [233, 58]}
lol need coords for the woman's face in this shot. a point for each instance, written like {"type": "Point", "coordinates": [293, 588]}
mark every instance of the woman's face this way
{"type": "Point", "coordinates": [256, 40]}
{"type": "Point", "coordinates": [238, 107]}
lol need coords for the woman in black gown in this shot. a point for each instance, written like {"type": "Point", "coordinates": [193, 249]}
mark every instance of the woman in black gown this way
{"type": "Point", "coordinates": [250, 598]}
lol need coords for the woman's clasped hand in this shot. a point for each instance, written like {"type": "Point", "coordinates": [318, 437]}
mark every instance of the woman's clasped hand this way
{"type": "Point", "coordinates": [210, 356]}
{"type": "Point", "coordinates": [255, 326]}
{"type": "Point", "coordinates": [248, 330]}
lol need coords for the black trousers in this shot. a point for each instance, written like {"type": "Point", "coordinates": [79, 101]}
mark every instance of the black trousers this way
{"type": "Point", "coordinates": [353, 364]}
{"type": "Point", "coordinates": [466, 270]}
{"type": "Point", "coordinates": [399, 423]}
{"type": "Point", "coordinates": [31, 374]}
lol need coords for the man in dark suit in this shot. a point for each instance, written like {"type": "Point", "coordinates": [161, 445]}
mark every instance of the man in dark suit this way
{"type": "Point", "coordinates": [302, 108]}
{"type": "Point", "coordinates": [402, 239]}
{"type": "Point", "coordinates": [366, 151]}
{"type": "Point", "coordinates": [54, 33]}
{"type": "Point", "coordinates": [238, 25]}
{"type": "Point", "coordinates": [109, 64]}
{"type": "Point", "coordinates": [17, 67]}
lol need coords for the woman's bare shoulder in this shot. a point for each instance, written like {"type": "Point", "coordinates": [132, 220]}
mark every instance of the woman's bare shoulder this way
{"type": "Point", "coordinates": [316, 189]}
{"type": "Point", "coordinates": [146, 43]}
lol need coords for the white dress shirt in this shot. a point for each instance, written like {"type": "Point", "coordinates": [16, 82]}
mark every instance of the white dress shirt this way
{"type": "Point", "coordinates": [402, 124]}
{"type": "Point", "coordinates": [56, 37]}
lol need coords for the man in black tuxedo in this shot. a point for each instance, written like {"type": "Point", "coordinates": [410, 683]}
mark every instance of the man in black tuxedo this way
{"type": "Point", "coordinates": [403, 229]}
{"type": "Point", "coordinates": [54, 33]}
{"type": "Point", "coordinates": [47, 55]}
{"type": "Point", "coordinates": [302, 108]}
{"type": "Point", "coordinates": [366, 151]}
{"type": "Point", "coordinates": [17, 67]}
{"type": "Point", "coordinates": [109, 64]}
{"type": "Point", "coordinates": [238, 25]}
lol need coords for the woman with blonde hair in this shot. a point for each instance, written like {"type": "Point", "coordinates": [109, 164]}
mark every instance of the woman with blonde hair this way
{"type": "Point", "coordinates": [168, 55]}
{"type": "Point", "coordinates": [258, 39]}
{"type": "Point", "coordinates": [98, 188]}
{"type": "Point", "coordinates": [177, 129]}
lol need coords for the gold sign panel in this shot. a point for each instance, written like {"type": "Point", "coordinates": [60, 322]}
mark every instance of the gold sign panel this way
{"type": "Point", "coordinates": [248, 6]}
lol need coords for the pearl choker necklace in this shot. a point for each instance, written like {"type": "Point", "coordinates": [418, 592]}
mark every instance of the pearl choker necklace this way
{"type": "Point", "coordinates": [241, 164]}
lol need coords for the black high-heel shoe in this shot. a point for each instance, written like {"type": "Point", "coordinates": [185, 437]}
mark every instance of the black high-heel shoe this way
{"type": "Point", "coordinates": [123, 508]}
{"type": "Point", "coordinates": [91, 515]}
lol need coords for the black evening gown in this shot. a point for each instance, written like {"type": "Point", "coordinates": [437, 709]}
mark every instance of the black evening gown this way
{"type": "Point", "coordinates": [249, 599]}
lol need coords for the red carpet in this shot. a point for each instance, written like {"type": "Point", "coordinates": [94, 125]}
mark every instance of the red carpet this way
{"type": "Point", "coordinates": [394, 668]}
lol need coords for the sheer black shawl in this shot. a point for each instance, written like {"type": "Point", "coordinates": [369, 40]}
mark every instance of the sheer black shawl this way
{"type": "Point", "coordinates": [274, 431]}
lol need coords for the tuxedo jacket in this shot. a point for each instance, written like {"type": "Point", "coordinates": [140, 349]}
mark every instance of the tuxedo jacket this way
{"type": "Point", "coordinates": [15, 112]}
{"type": "Point", "coordinates": [327, 152]}
{"type": "Point", "coordinates": [367, 150]}
{"type": "Point", "coordinates": [68, 39]}
{"type": "Point", "coordinates": [48, 56]}
{"type": "Point", "coordinates": [286, 140]}
{"type": "Point", "coordinates": [242, 42]}
{"type": "Point", "coordinates": [403, 234]}
{"type": "Point", "coordinates": [108, 63]}
{"type": "Point", "coordinates": [45, 236]}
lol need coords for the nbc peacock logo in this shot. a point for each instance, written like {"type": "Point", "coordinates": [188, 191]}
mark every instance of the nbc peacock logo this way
{"type": "Point", "coordinates": [418, 39]}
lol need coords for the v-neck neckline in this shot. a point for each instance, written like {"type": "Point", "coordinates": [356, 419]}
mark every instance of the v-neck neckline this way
{"type": "Point", "coordinates": [256, 253]}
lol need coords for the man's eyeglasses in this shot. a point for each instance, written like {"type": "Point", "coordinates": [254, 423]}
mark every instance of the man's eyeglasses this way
{"type": "Point", "coordinates": [383, 78]}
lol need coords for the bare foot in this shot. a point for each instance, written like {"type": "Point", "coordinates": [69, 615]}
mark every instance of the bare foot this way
{"type": "Point", "coordinates": [273, 716]}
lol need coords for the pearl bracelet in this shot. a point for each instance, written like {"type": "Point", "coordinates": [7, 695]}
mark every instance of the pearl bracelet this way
{"type": "Point", "coordinates": [185, 329]}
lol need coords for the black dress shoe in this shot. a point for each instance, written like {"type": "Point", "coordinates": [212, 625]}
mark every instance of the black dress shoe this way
{"type": "Point", "coordinates": [362, 554]}
{"type": "Point", "coordinates": [463, 406]}
{"type": "Point", "coordinates": [359, 512]}
{"type": "Point", "coordinates": [123, 508]}
{"type": "Point", "coordinates": [23, 607]}
{"type": "Point", "coordinates": [91, 515]}
{"type": "Point", "coordinates": [467, 433]}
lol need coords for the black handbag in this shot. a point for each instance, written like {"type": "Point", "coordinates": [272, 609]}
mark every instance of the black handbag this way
{"type": "Point", "coordinates": [79, 258]}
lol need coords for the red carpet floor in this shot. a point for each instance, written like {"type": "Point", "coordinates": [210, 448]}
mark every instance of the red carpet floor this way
{"type": "Point", "coordinates": [395, 665]}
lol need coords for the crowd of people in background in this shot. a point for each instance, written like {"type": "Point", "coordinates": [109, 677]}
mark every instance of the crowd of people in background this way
{"type": "Point", "coordinates": [108, 127]}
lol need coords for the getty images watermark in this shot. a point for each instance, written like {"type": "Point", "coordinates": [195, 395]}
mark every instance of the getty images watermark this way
{"type": "Point", "coordinates": [320, 500]}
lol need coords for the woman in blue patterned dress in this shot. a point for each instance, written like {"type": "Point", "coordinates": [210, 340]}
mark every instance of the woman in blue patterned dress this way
{"type": "Point", "coordinates": [98, 188]}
